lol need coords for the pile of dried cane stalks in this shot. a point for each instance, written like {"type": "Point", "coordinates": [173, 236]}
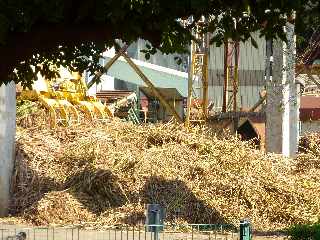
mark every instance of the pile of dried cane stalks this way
{"type": "Point", "coordinates": [103, 174]}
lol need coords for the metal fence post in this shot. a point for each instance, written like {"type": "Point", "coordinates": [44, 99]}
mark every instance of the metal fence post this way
{"type": "Point", "coordinates": [133, 232]}
{"type": "Point", "coordinates": [155, 215]}
{"type": "Point", "coordinates": [127, 233]}
{"type": "Point", "coordinates": [156, 234]}
{"type": "Point", "coordinates": [139, 232]}
{"type": "Point", "coordinates": [191, 232]}
{"type": "Point", "coordinates": [245, 230]}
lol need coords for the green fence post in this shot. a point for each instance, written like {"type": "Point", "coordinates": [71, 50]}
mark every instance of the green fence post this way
{"type": "Point", "coordinates": [245, 230]}
{"type": "Point", "coordinates": [155, 215]}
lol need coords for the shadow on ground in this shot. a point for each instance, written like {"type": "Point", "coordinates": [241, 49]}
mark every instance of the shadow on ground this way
{"type": "Point", "coordinates": [27, 187]}
{"type": "Point", "coordinates": [180, 202]}
{"type": "Point", "coordinates": [100, 185]}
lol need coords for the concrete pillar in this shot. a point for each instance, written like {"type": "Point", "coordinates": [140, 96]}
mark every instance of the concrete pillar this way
{"type": "Point", "coordinates": [283, 99]}
{"type": "Point", "coordinates": [7, 142]}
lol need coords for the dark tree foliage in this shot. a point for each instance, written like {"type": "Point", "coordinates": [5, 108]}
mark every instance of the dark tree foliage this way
{"type": "Point", "coordinates": [73, 33]}
{"type": "Point", "coordinates": [307, 24]}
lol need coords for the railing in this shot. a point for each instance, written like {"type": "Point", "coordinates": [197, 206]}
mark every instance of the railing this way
{"type": "Point", "coordinates": [144, 232]}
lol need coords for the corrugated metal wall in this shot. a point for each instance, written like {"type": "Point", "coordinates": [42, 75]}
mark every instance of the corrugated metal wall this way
{"type": "Point", "coordinates": [134, 51]}
{"type": "Point", "coordinates": [251, 70]}
{"type": "Point", "coordinates": [160, 59]}
{"type": "Point", "coordinates": [251, 73]}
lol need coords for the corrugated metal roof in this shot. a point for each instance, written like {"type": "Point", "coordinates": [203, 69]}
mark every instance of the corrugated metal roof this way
{"type": "Point", "coordinates": [161, 77]}
{"type": "Point", "coordinates": [310, 102]}
{"type": "Point", "coordinates": [112, 95]}
{"type": "Point", "coordinates": [309, 108]}
{"type": "Point", "coordinates": [167, 93]}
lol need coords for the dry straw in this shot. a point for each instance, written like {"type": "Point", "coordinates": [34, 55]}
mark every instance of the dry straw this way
{"type": "Point", "coordinates": [103, 174]}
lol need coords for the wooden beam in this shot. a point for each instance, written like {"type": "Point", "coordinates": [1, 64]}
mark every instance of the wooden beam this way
{"type": "Point", "coordinates": [231, 115]}
{"type": "Point", "coordinates": [106, 66]}
{"type": "Point", "coordinates": [311, 77]}
{"type": "Point", "coordinates": [261, 100]}
{"type": "Point", "coordinates": [152, 87]}
{"type": "Point", "coordinates": [190, 80]}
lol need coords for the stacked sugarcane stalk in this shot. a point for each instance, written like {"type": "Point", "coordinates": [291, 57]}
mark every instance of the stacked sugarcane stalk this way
{"type": "Point", "coordinates": [103, 174]}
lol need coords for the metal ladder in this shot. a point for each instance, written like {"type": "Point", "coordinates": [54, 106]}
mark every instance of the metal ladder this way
{"type": "Point", "coordinates": [132, 116]}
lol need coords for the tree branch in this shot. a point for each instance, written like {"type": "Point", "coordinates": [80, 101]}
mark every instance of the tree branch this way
{"type": "Point", "coordinates": [46, 38]}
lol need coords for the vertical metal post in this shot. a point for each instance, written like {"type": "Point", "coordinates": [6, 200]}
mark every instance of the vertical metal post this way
{"type": "Point", "coordinates": [133, 233]}
{"type": "Point", "coordinates": [139, 232]}
{"type": "Point", "coordinates": [145, 234]}
{"type": "Point", "coordinates": [205, 84]}
{"type": "Point", "coordinates": [127, 233]}
{"type": "Point", "coordinates": [163, 233]}
{"type": "Point", "coordinates": [156, 234]}
{"type": "Point", "coordinates": [245, 230]}
{"type": "Point", "coordinates": [215, 232]}
{"type": "Point", "coordinates": [226, 76]}
{"type": "Point", "coordinates": [236, 76]}
{"type": "Point", "coordinates": [192, 233]}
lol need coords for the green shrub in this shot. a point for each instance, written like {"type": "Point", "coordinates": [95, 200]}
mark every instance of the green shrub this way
{"type": "Point", "coordinates": [304, 232]}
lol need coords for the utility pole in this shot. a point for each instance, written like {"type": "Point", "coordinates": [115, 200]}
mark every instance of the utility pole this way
{"type": "Point", "coordinates": [7, 142]}
{"type": "Point", "coordinates": [282, 110]}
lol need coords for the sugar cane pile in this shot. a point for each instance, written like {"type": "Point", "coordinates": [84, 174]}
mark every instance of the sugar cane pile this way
{"type": "Point", "coordinates": [103, 174]}
{"type": "Point", "coordinates": [309, 148]}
